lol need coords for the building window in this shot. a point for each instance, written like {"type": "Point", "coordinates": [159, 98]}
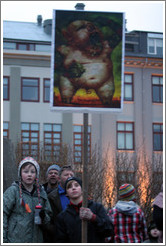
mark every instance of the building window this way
{"type": "Point", "coordinates": [125, 136]}
{"type": "Point", "coordinates": [46, 88]}
{"type": "Point", "coordinates": [155, 44]}
{"type": "Point", "coordinates": [30, 89]}
{"type": "Point", "coordinates": [158, 137]}
{"type": "Point", "coordinates": [128, 87]}
{"type": "Point", "coordinates": [78, 143]}
{"type": "Point", "coordinates": [43, 48]}
{"type": "Point", "coordinates": [129, 47]}
{"type": "Point", "coordinates": [52, 141]}
{"type": "Point", "coordinates": [157, 89]}
{"type": "Point", "coordinates": [5, 88]}
{"type": "Point", "coordinates": [6, 129]}
{"type": "Point", "coordinates": [9, 45]}
{"type": "Point", "coordinates": [25, 46]}
{"type": "Point", "coordinates": [30, 140]}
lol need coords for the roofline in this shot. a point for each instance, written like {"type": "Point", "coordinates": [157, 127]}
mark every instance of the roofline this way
{"type": "Point", "coordinates": [144, 31]}
{"type": "Point", "coordinates": [27, 40]}
{"type": "Point", "coordinates": [52, 19]}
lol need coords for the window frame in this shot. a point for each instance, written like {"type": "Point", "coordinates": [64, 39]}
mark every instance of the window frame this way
{"type": "Point", "coordinates": [8, 88]}
{"type": "Point", "coordinates": [52, 144]}
{"type": "Point", "coordinates": [30, 143]}
{"type": "Point", "coordinates": [27, 46]}
{"type": "Point", "coordinates": [37, 46]}
{"type": "Point", "coordinates": [125, 132]}
{"type": "Point", "coordinates": [132, 86]}
{"type": "Point", "coordinates": [6, 130]}
{"type": "Point", "coordinates": [81, 145]}
{"type": "Point", "coordinates": [78, 145]}
{"type": "Point", "coordinates": [157, 85]}
{"type": "Point", "coordinates": [155, 45]}
{"type": "Point", "coordinates": [38, 88]}
{"type": "Point", "coordinates": [160, 133]}
{"type": "Point", "coordinates": [44, 87]}
{"type": "Point", "coordinates": [11, 45]}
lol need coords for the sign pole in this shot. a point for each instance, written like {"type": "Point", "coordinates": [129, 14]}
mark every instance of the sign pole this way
{"type": "Point", "coordinates": [85, 175]}
{"type": "Point", "coordinates": [80, 6]}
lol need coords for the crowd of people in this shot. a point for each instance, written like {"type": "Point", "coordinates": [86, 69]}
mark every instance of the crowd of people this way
{"type": "Point", "coordinates": [53, 212]}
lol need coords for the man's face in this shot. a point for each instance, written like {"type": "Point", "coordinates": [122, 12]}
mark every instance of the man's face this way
{"type": "Point", "coordinates": [65, 175]}
{"type": "Point", "coordinates": [53, 177]}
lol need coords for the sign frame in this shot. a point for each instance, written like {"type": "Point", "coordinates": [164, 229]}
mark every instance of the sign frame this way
{"type": "Point", "coordinates": [56, 28]}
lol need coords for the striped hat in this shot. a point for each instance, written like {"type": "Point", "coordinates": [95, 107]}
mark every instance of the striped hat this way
{"type": "Point", "coordinates": [127, 192]}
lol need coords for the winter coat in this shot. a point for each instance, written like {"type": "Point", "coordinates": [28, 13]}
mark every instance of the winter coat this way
{"type": "Point", "coordinates": [55, 202]}
{"type": "Point", "coordinates": [18, 225]}
{"type": "Point", "coordinates": [151, 240]}
{"type": "Point", "coordinates": [129, 222]}
{"type": "Point", "coordinates": [48, 190]}
{"type": "Point", "coordinates": [158, 214]}
{"type": "Point", "coordinates": [68, 225]}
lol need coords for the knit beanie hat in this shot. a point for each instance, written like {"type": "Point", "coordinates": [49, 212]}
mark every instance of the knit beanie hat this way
{"type": "Point", "coordinates": [53, 167]}
{"type": "Point", "coordinates": [79, 181]}
{"type": "Point", "coordinates": [31, 161]}
{"type": "Point", "coordinates": [127, 192]}
{"type": "Point", "coordinates": [36, 165]}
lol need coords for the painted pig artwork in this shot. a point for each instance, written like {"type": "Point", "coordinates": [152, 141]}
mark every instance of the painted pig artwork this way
{"type": "Point", "coordinates": [87, 59]}
{"type": "Point", "coordinates": [89, 56]}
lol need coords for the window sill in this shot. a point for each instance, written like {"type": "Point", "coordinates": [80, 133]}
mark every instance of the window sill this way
{"type": "Point", "coordinates": [125, 150]}
{"type": "Point", "coordinates": [157, 103]}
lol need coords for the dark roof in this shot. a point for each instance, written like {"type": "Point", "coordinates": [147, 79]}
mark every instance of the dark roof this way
{"type": "Point", "coordinates": [25, 31]}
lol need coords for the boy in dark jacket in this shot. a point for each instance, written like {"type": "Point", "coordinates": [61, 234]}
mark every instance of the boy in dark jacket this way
{"type": "Point", "coordinates": [68, 224]}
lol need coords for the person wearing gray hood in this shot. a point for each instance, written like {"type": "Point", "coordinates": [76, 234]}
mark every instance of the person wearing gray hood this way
{"type": "Point", "coordinates": [128, 218]}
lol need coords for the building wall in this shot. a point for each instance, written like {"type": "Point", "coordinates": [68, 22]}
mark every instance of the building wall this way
{"type": "Point", "coordinates": [17, 112]}
{"type": "Point", "coordinates": [141, 111]}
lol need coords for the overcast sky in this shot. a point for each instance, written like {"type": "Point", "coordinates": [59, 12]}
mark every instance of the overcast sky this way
{"type": "Point", "coordinates": [140, 15]}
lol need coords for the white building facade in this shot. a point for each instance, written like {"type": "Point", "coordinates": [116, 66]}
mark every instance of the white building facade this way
{"type": "Point", "coordinates": [28, 120]}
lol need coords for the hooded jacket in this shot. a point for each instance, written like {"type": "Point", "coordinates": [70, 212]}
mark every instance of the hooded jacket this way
{"type": "Point", "coordinates": [129, 222]}
{"type": "Point", "coordinates": [18, 225]}
{"type": "Point", "coordinates": [127, 208]}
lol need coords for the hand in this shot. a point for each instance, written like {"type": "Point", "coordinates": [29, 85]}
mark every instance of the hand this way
{"type": "Point", "coordinates": [85, 213]}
